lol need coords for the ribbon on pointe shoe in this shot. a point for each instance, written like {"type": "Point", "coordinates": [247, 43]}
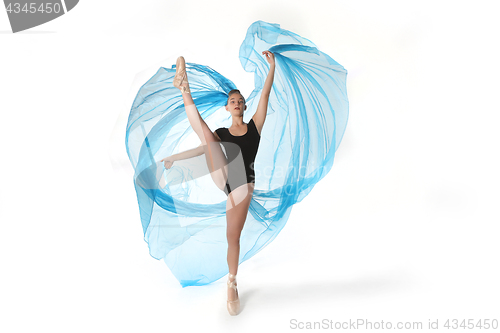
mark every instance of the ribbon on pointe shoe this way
{"type": "Point", "coordinates": [181, 76]}
{"type": "Point", "coordinates": [233, 307]}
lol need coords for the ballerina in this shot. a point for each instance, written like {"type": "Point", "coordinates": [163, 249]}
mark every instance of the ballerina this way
{"type": "Point", "coordinates": [184, 218]}
{"type": "Point", "coordinates": [241, 142]}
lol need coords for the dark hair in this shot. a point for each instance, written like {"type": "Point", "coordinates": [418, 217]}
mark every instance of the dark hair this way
{"type": "Point", "coordinates": [233, 92]}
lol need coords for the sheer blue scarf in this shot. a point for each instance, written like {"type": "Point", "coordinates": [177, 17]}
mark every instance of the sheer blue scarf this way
{"type": "Point", "coordinates": [182, 211]}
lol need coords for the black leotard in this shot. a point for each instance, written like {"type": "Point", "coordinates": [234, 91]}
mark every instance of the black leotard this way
{"type": "Point", "coordinates": [240, 171]}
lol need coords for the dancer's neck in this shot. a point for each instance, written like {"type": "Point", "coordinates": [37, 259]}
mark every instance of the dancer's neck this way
{"type": "Point", "coordinates": [238, 122]}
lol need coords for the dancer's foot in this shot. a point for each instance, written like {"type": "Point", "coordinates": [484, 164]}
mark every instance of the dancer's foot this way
{"type": "Point", "coordinates": [233, 300]}
{"type": "Point", "coordinates": [180, 78]}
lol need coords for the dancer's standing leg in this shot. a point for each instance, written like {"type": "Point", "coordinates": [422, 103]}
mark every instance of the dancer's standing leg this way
{"type": "Point", "coordinates": [236, 216]}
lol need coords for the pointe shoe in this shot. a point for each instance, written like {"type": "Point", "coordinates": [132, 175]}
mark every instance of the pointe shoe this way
{"type": "Point", "coordinates": [180, 78]}
{"type": "Point", "coordinates": [233, 306]}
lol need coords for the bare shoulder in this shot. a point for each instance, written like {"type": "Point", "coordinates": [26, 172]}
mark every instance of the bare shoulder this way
{"type": "Point", "coordinates": [216, 136]}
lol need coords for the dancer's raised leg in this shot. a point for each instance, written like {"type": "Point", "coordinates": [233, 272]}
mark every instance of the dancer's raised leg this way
{"type": "Point", "coordinates": [216, 160]}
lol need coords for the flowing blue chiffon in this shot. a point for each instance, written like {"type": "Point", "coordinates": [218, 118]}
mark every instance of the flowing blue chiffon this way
{"type": "Point", "coordinates": [181, 209]}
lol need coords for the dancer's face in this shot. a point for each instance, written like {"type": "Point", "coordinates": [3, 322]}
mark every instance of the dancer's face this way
{"type": "Point", "coordinates": [236, 104]}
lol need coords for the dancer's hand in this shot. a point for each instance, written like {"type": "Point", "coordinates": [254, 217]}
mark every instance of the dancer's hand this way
{"type": "Point", "coordinates": [269, 57]}
{"type": "Point", "coordinates": [167, 162]}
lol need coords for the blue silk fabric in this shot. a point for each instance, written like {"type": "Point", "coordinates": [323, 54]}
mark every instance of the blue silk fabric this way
{"type": "Point", "coordinates": [182, 211]}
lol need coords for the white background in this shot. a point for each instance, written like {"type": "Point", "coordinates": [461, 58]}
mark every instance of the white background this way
{"type": "Point", "coordinates": [403, 228]}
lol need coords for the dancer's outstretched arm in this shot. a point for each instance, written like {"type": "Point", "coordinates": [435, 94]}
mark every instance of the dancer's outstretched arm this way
{"type": "Point", "coordinates": [200, 150]}
{"type": "Point", "coordinates": [260, 115]}
{"type": "Point", "coordinates": [169, 160]}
